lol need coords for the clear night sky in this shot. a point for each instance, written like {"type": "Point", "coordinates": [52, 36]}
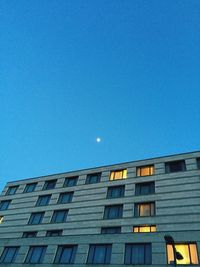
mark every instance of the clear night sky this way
{"type": "Point", "coordinates": [127, 71]}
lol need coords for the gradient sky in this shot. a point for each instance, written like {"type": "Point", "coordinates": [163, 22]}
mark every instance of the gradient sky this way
{"type": "Point", "coordinates": [127, 71]}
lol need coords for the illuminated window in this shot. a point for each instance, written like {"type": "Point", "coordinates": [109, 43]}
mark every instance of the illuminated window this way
{"type": "Point", "coordinates": [9, 254]}
{"type": "Point", "coordinates": [93, 178]}
{"type": "Point", "coordinates": [49, 185]}
{"type": "Point", "coordinates": [175, 166]}
{"type": "Point", "coordinates": [144, 209]}
{"type": "Point", "coordinates": [43, 200]}
{"type": "Point", "coordinates": [145, 188]}
{"type": "Point", "coordinates": [115, 191]}
{"type": "Point", "coordinates": [145, 170]}
{"type": "Point", "coordinates": [36, 218]}
{"type": "Point", "coordinates": [1, 219]}
{"type": "Point", "coordinates": [187, 251]}
{"type": "Point", "coordinates": [138, 254]}
{"type": "Point", "coordinates": [71, 181]}
{"type": "Point", "coordinates": [12, 190]}
{"type": "Point", "coordinates": [29, 234]}
{"type": "Point", "coordinates": [144, 229]}
{"type": "Point", "coordinates": [30, 188]}
{"type": "Point", "coordinates": [36, 254]}
{"type": "Point", "coordinates": [54, 233]}
{"type": "Point", "coordinates": [113, 212]}
{"type": "Point", "coordinates": [119, 174]}
{"type": "Point", "coordinates": [66, 254]}
{"type": "Point", "coordinates": [99, 253]}
{"type": "Point", "coordinates": [59, 216]}
{"type": "Point", "coordinates": [5, 204]}
{"type": "Point", "coordinates": [65, 198]}
{"type": "Point", "coordinates": [111, 230]}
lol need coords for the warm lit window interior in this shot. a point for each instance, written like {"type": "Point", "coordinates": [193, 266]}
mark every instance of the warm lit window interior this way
{"type": "Point", "coordinates": [117, 175]}
{"type": "Point", "coordinates": [187, 251]}
{"type": "Point", "coordinates": [144, 229]}
{"type": "Point", "coordinates": [145, 170]}
{"type": "Point", "coordinates": [1, 219]}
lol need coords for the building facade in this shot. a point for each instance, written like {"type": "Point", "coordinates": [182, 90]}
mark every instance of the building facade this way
{"type": "Point", "coordinates": [145, 212]}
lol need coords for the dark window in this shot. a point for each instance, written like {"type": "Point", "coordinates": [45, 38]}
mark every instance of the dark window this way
{"type": "Point", "coordinates": [175, 166]}
{"type": "Point", "coordinates": [49, 185]}
{"type": "Point", "coordinates": [12, 190]}
{"type": "Point", "coordinates": [36, 254]}
{"type": "Point", "coordinates": [111, 230]}
{"type": "Point", "coordinates": [54, 233]}
{"type": "Point", "coordinates": [4, 204]}
{"type": "Point", "coordinates": [145, 170]}
{"type": "Point", "coordinates": [29, 234]}
{"type": "Point", "coordinates": [66, 254]}
{"type": "Point", "coordinates": [145, 188]}
{"type": "Point", "coordinates": [93, 178]}
{"type": "Point", "coordinates": [43, 200]}
{"type": "Point", "coordinates": [65, 198]}
{"type": "Point", "coordinates": [198, 163]}
{"type": "Point", "coordinates": [115, 191]}
{"type": "Point", "coordinates": [9, 254]}
{"type": "Point", "coordinates": [100, 253]}
{"type": "Point", "coordinates": [144, 209]}
{"type": "Point", "coordinates": [30, 188]}
{"type": "Point", "coordinates": [71, 181]}
{"type": "Point", "coordinates": [59, 216]}
{"type": "Point", "coordinates": [36, 218]}
{"type": "Point", "coordinates": [113, 212]}
{"type": "Point", "coordinates": [138, 254]}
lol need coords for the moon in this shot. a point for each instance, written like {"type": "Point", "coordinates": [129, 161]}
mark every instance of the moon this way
{"type": "Point", "coordinates": [98, 139]}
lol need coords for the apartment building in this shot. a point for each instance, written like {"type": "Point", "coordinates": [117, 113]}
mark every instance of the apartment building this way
{"type": "Point", "coordinates": [145, 212]}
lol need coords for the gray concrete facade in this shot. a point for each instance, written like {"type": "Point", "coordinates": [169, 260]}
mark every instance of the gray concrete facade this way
{"type": "Point", "coordinates": [177, 212]}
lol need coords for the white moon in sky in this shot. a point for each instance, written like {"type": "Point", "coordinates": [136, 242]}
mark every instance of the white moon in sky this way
{"type": "Point", "coordinates": [98, 139]}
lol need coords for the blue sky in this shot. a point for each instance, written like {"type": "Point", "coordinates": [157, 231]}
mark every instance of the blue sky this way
{"type": "Point", "coordinates": [70, 71]}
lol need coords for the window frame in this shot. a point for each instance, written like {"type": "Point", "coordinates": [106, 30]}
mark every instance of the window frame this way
{"type": "Point", "coordinates": [60, 251]}
{"type": "Point", "coordinates": [26, 234]}
{"type": "Point", "coordinates": [61, 197]}
{"type": "Point", "coordinates": [10, 188]}
{"type": "Point", "coordinates": [169, 165]}
{"type": "Point", "coordinates": [140, 169]}
{"type": "Point", "coordinates": [51, 233]}
{"type": "Point", "coordinates": [55, 215]}
{"type": "Point", "coordinates": [150, 185]}
{"type": "Point", "coordinates": [41, 199]}
{"type": "Point", "coordinates": [114, 174]}
{"type": "Point", "coordinates": [111, 190]}
{"type": "Point", "coordinates": [29, 258]}
{"type": "Point", "coordinates": [129, 255]}
{"type": "Point", "coordinates": [32, 217]}
{"type": "Point", "coordinates": [93, 253]}
{"type": "Point", "coordinates": [50, 184]}
{"type": "Point", "coordinates": [5, 252]}
{"type": "Point", "coordinates": [90, 177]}
{"type": "Point", "coordinates": [137, 209]}
{"type": "Point", "coordinates": [67, 181]}
{"type": "Point", "coordinates": [108, 211]}
{"type": "Point", "coordinates": [4, 204]}
{"type": "Point", "coordinates": [111, 230]}
{"type": "Point", "coordinates": [151, 228]}
{"type": "Point", "coordinates": [27, 190]}
{"type": "Point", "coordinates": [198, 163]}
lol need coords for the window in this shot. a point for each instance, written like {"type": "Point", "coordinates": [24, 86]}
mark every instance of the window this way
{"type": "Point", "coordinates": [1, 219]}
{"type": "Point", "coordinates": [12, 190]}
{"type": "Point", "coordinates": [43, 200]}
{"type": "Point", "coordinates": [36, 218]}
{"type": "Point", "coordinates": [65, 198]}
{"type": "Point", "coordinates": [113, 212]}
{"type": "Point", "coordinates": [66, 254]}
{"type": "Point", "coordinates": [115, 191]}
{"type": "Point", "coordinates": [145, 170]}
{"type": "Point", "coordinates": [54, 233]}
{"type": "Point", "coordinates": [111, 230]}
{"type": "Point", "coordinates": [145, 188]}
{"type": "Point", "coordinates": [93, 178]}
{"type": "Point", "coordinates": [99, 253]}
{"type": "Point", "coordinates": [5, 204]}
{"type": "Point", "coordinates": [9, 254]}
{"type": "Point", "coordinates": [138, 254]}
{"type": "Point", "coordinates": [145, 209]}
{"type": "Point", "coordinates": [30, 188]}
{"type": "Point", "coordinates": [29, 234]}
{"type": "Point", "coordinates": [144, 229]}
{"type": "Point", "coordinates": [175, 166]}
{"type": "Point", "coordinates": [59, 216]}
{"type": "Point", "coordinates": [71, 181]}
{"type": "Point", "coordinates": [49, 185]}
{"type": "Point", "coordinates": [187, 251]}
{"type": "Point", "coordinates": [118, 175]}
{"type": "Point", "coordinates": [36, 254]}
{"type": "Point", "coordinates": [198, 163]}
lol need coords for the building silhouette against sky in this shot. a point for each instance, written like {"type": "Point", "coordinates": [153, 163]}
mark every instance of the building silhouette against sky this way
{"type": "Point", "coordinates": [122, 214]}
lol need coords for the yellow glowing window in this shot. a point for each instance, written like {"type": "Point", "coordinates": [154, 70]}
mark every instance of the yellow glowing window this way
{"type": "Point", "coordinates": [117, 175]}
{"type": "Point", "coordinates": [1, 219]}
{"type": "Point", "coordinates": [144, 229]}
{"type": "Point", "coordinates": [187, 251]}
{"type": "Point", "coordinates": [145, 170]}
